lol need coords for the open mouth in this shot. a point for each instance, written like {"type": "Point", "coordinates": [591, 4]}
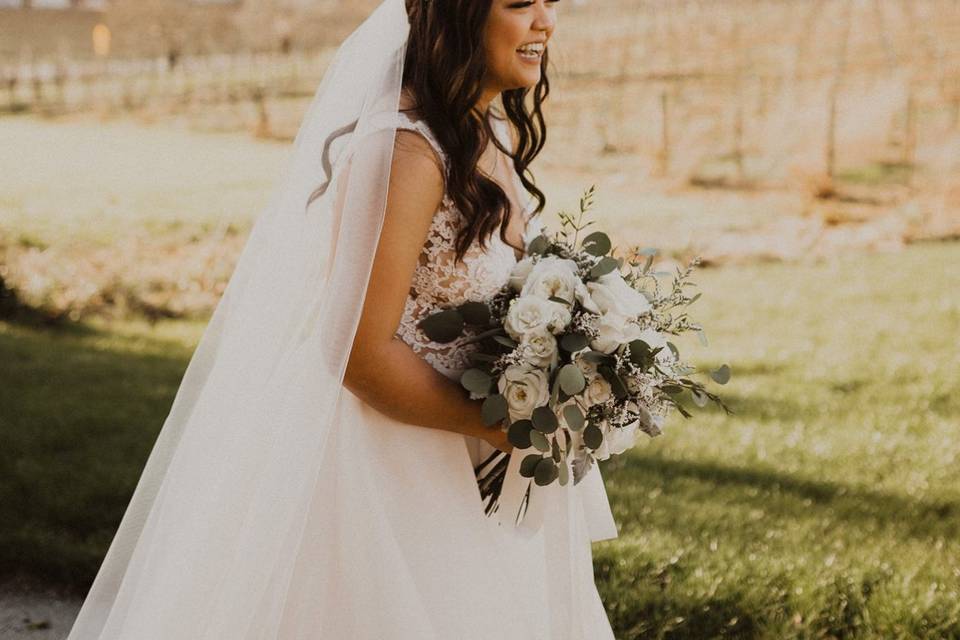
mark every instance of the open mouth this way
{"type": "Point", "coordinates": [531, 51]}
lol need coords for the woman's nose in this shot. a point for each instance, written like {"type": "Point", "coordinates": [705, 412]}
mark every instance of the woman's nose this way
{"type": "Point", "coordinates": [545, 19]}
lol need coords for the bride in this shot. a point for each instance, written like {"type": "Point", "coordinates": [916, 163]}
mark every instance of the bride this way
{"type": "Point", "coordinates": [314, 478]}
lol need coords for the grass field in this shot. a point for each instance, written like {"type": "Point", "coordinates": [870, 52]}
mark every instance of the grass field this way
{"type": "Point", "coordinates": [827, 507]}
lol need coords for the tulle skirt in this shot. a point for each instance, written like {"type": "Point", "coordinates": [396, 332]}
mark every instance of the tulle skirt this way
{"type": "Point", "coordinates": [397, 546]}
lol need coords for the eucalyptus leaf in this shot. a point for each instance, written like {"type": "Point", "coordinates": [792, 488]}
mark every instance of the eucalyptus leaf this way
{"type": "Point", "coordinates": [519, 434]}
{"type": "Point", "coordinates": [506, 341]}
{"type": "Point", "coordinates": [593, 436]}
{"type": "Point", "coordinates": [721, 375]}
{"type": "Point", "coordinates": [672, 389]}
{"type": "Point", "coordinates": [699, 398]}
{"type": "Point", "coordinates": [545, 420]}
{"type": "Point", "coordinates": [539, 441]}
{"type": "Point", "coordinates": [539, 244]}
{"type": "Point", "coordinates": [574, 342]}
{"type": "Point", "coordinates": [571, 379]}
{"type": "Point", "coordinates": [564, 474]}
{"type": "Point", "coordinates": [558, 300]}
{"type": "Point", "coordinates": [640, 353]}
{"type": "Point", "coordinates": [617, 385]}
{"type": "Point", "coordinates": [443, 326]}
{"type": "Point", "coordinates": [573, 417]}
{"type": "Point", "coordinates": [529, 463]}
{"type": "Point", "coordinates": [546, 472]}
{"type": "Point", "coordinates": [602, 268]}
{"type": "Point", "coordinates": [476, 313]}
{"type": "Point", "coordinates": [597, 244]}
{"type": "Point", "coordinates": [477, 381]}
{"type": "Point", "coordinates": [493, 409]}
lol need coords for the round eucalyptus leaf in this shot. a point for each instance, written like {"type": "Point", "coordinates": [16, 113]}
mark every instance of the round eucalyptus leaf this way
{"type": "Point", "coordinates": [574, 417]}
{"type": "Point", "coordinates": [519, 434]}
{"type": "Point", "coordinates": [443, 326]}
{"type": "Point", "coordinates": [506, 341]}
{"type": "Point", "coordinates": [476, 313]}
{"type": "Point", "coordinates": [477, 381]}
{"type": "Point", "coordinates": [539, 441]}
{"type": "Point", "coordinates": [545, 420]}
{"type": "Point", "coordinates": [539, 244]}
{"type": "Point", "coordinates": [721, 375]}
{"type": "Point", "coordinates": [493, 409]}
{"type": "Point", "coordinates": [546, 472]}
{"type": "Point", "coordinates": [574, 342]}
{"type": "Point", "coordinates": [571, 379]}
{"type": "Point", "coordinates": [529, 463]}
{"type": "Point", "coordinates": [602, 268]}
{"type": "Point", "coordinates": [592, 436]}
{"type": "Point", "coordinates": [597, 244]}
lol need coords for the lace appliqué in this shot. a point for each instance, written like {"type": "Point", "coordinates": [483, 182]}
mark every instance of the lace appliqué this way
{"type": "Point", "coordinates": [440, 283]}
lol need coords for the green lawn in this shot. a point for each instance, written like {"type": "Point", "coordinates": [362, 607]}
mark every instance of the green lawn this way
{"type": "Point", "coordinates": [827, 507]}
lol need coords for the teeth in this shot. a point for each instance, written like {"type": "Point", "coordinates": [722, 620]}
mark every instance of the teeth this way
{"type": "Point", "coordinates": [535, 48]}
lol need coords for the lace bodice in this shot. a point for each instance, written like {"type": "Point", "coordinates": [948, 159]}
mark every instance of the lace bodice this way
{"type": "Point", "coordinates": [439, 283]}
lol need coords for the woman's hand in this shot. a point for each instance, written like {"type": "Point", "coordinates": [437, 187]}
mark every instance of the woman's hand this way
{"type": "Point", "coordinates": [498, 439]}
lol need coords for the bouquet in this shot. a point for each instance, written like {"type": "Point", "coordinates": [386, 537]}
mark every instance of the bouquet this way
{"type": "Point", "coordinates": [574, 360]}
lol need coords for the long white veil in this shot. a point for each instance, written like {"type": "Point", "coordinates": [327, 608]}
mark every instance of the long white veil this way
{"type": "Point", "coordinates": [207, 545]}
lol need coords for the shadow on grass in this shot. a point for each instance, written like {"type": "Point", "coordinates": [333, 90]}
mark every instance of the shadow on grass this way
{"type": "Point", "coordinates": [915, 517]}
{"type": "Point", "coordinates": [79, 412]}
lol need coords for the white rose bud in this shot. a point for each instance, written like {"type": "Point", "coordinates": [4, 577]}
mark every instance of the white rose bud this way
{"type": "Point", "coordinates": [525, 389]}
{"type": "Point", "coordinates": [540, 348]}
{"type": "Point", "coordinates": [597, 390]}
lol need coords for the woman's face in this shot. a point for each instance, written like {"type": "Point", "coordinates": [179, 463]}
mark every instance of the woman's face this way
{"type": "Point", "coordinates": [511, 25]}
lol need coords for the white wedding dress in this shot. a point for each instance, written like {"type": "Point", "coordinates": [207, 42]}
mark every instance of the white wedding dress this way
{"type": "Point", "coordinates": [400, 548]}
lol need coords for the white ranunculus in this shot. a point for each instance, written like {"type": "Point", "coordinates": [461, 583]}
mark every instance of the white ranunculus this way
{"type": "Point", "coordinates": [614, 330]}
{"type": "Point", "coordinates": [655, 339]}
{"type": "Point", "coordinates": [597, 390]}
{"type": "Point", "coordinates": [540, 348]}
{"type": "Point", "coordinates": [611, 293]}
{"type": "Point", "coordinates": [553, 277]}
{"type": "Point", "coordinates": [525, 389]}
{"type": "Point", "coordinates": [519, 273]}
{"type": "Point", "coordinates": [528, 314]}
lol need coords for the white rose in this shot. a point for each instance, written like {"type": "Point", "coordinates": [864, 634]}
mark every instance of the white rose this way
{"type": "Point", "coordinates": [540, 349]}
{"type": "Point", "coordinates": [611, 292]}
{"type": "Point", "coordinates": [520, 272]}
{"type": "Point", "coordinates": [553, 277]}
{"type": "Point", "coordinates": [525, 389]}
{"type": "Point", "coordinates": [614, 330]}
{"type": "Point", "coordinates": [529, 314]}
{"type": "Point", "coordinates": [597, 390]}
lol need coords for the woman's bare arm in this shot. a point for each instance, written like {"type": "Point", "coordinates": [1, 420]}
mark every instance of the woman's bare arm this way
{"type": "Point", "coordinates": [383, 370]}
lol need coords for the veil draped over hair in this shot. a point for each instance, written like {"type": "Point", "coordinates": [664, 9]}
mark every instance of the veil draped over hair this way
{"type": "Point", "coordinates": [205, 548]}
{"type": "Point", "coordinates": [232, 514]}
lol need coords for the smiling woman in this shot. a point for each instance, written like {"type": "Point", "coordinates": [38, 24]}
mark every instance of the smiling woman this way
{"type": "Point", "coordinates": [315, 477]}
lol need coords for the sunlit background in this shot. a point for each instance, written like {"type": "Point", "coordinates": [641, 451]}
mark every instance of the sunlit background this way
{"type": "Point", "coordinates": [808, 151]}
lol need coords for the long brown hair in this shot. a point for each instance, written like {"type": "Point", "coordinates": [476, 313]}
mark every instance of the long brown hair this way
{"type": "Point", "coordinates": [443, 71]}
